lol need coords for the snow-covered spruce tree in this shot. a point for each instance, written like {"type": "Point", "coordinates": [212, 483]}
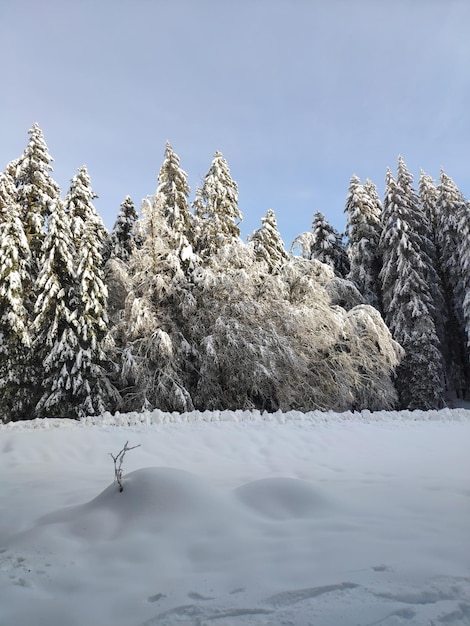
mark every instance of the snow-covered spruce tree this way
{"type": "Point", "coordinates": [428, 196]}
{"type": "Point", "coordinates": [14, 320]}
{"type": "Point", "coordinates": [81, 211]}
{"type": "Point", "coordinates": [324, 244]}
{"type": "Point", "coordinates": [420, 223]}
{"type": "Point", "coordinates": [216, 209]}
{"type": "Point", "coordinates": [173, 191]}
{"type": "Point", "coordinates": [122, 241]}
{"type": "Point", "coordinates": [268, 244]}
{"type": "Point", "coordinates": [363, 228]}
{"type": "Point", "coordinates": [450, 207]}
{"type": "Point", "coordinates": [407, 298]}
{"type": "Point", "coordinates": [36, 192]}
{"type": "Point", "coordinates": [56, 344]}
{"type": "Point", "coordinates": [464, 259]}
{"type": "Point", "coordinates": [96, 393]}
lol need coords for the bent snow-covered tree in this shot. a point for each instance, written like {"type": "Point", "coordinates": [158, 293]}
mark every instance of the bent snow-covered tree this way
{"type": "Point", "coordinates": [273, 341]}
{"type": "Point", "coordinates": [155, 356]}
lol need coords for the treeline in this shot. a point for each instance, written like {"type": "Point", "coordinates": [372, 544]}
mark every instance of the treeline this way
{"type": "Point", "coordinates": [172, 310]}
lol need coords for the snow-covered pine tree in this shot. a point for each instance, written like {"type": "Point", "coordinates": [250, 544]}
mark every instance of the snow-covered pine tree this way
{"type": "Point", "coordinates": [407, 297]}
{"type": "Point", "coordinates": [268, 244]}
{"type": "Point", "coordinates": [81, 211]}
{"type": "Point", "coordinates": [36, 192]}
{"type": "Point", "coordinates": [15, 338]}
{"type": "Point", "coordinates": [121, 242]}
{"type": "Point", "coordinates": [428, 196]}
{"type": "Point", "coordinates": [95, 391]}
{"type": "Point", "coordinates": [451, 242]}
{"type": "Point", "coordinates": [326, 245]}
{"type": "Point", "coordinates": [450, 208]}
{"type": "Point", "coordinates": [216, 208]}
{"type": "Point", "coordinates": [173, 191]}
{"type": "Point", "coordinates": [464, 259]}
{"type": "Point", "coordinates": [363, 228]}
{"type": "Point", "coordinates": [56, 344]}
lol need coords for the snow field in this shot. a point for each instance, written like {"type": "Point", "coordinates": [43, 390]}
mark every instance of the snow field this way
{"type": "Point", "coordinates": [237, 518]}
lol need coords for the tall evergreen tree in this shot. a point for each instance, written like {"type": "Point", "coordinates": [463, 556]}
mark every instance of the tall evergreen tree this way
{"type": "Point", "coordinates": [450, 208]}
{"type": "Point", "coordinates": [216, 208]}
{"type": "Point", "coordinates": [36, 192]}
{"type": "Point", "coordinates": [464, 261]}
{"type": "Point", "coordinates": [56, 343]}
{"type": "Point", "coordinates": [96, 392]}
{"type": "Point", "coordinates": [407, 298]}
{"type": "Point", "coordinates": [363, 235]}
{"type": "Point", "coordinates": [268, 243]}
{"type": "Point", "coordinates": [14, 320]}
{"type": "Point", "coordinates": [173, 191]}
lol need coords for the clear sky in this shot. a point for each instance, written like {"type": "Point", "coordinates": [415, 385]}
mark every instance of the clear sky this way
{"type": "Point", "coordinates": [297, 94]}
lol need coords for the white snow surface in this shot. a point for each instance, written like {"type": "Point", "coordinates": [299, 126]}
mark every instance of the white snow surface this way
{"type": "Point", "coordinates": [237, 518]}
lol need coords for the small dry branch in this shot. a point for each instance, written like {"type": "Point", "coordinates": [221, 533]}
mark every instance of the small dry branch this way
{"type": "Point", "coordinates": [118, 460]}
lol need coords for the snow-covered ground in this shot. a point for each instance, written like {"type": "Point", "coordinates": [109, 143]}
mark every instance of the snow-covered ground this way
{"type": "Point", "coordinates": [237, 518]}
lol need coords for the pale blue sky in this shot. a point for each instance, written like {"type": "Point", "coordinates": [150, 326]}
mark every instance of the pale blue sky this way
{"type": "Point", "coordinates": [297, 94]}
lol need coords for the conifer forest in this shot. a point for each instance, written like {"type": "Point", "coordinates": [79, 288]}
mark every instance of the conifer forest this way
{"type": "Point", "coordinates": [172, 310]}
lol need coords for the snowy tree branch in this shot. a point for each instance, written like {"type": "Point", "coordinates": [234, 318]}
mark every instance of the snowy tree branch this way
{"type": "Point", "coordinates": [118, 461]}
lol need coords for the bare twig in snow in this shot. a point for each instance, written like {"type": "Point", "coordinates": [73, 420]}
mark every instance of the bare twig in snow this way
{"type": "Point", "coordinates": [118, 460]}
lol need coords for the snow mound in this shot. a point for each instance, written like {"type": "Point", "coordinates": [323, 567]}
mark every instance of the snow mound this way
{"type": "Point", "coordinates": [283, 498]}
{"type": "Point", "coordinates": [153, 499]}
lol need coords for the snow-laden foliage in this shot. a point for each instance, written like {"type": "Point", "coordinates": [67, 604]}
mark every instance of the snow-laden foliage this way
{"type": "Point", "coordinates": [148, 327]}
{"type": "Point", "coordinates": [177, 313]}
{"type": "Point", "coordinates": [276, 342]}
{"type": "Point", "coordinates": [363, 229]}
{"type": "Point", "coordinates": [232, 334]}
{"type": "Point", "coordinates": [15, 337]}
{"type": "Point", "coordinates": [268, 244]}
{"type": "Point", "coordinates": [407, 296]}
{"type": "Point", "coordinates": [216, 208]}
